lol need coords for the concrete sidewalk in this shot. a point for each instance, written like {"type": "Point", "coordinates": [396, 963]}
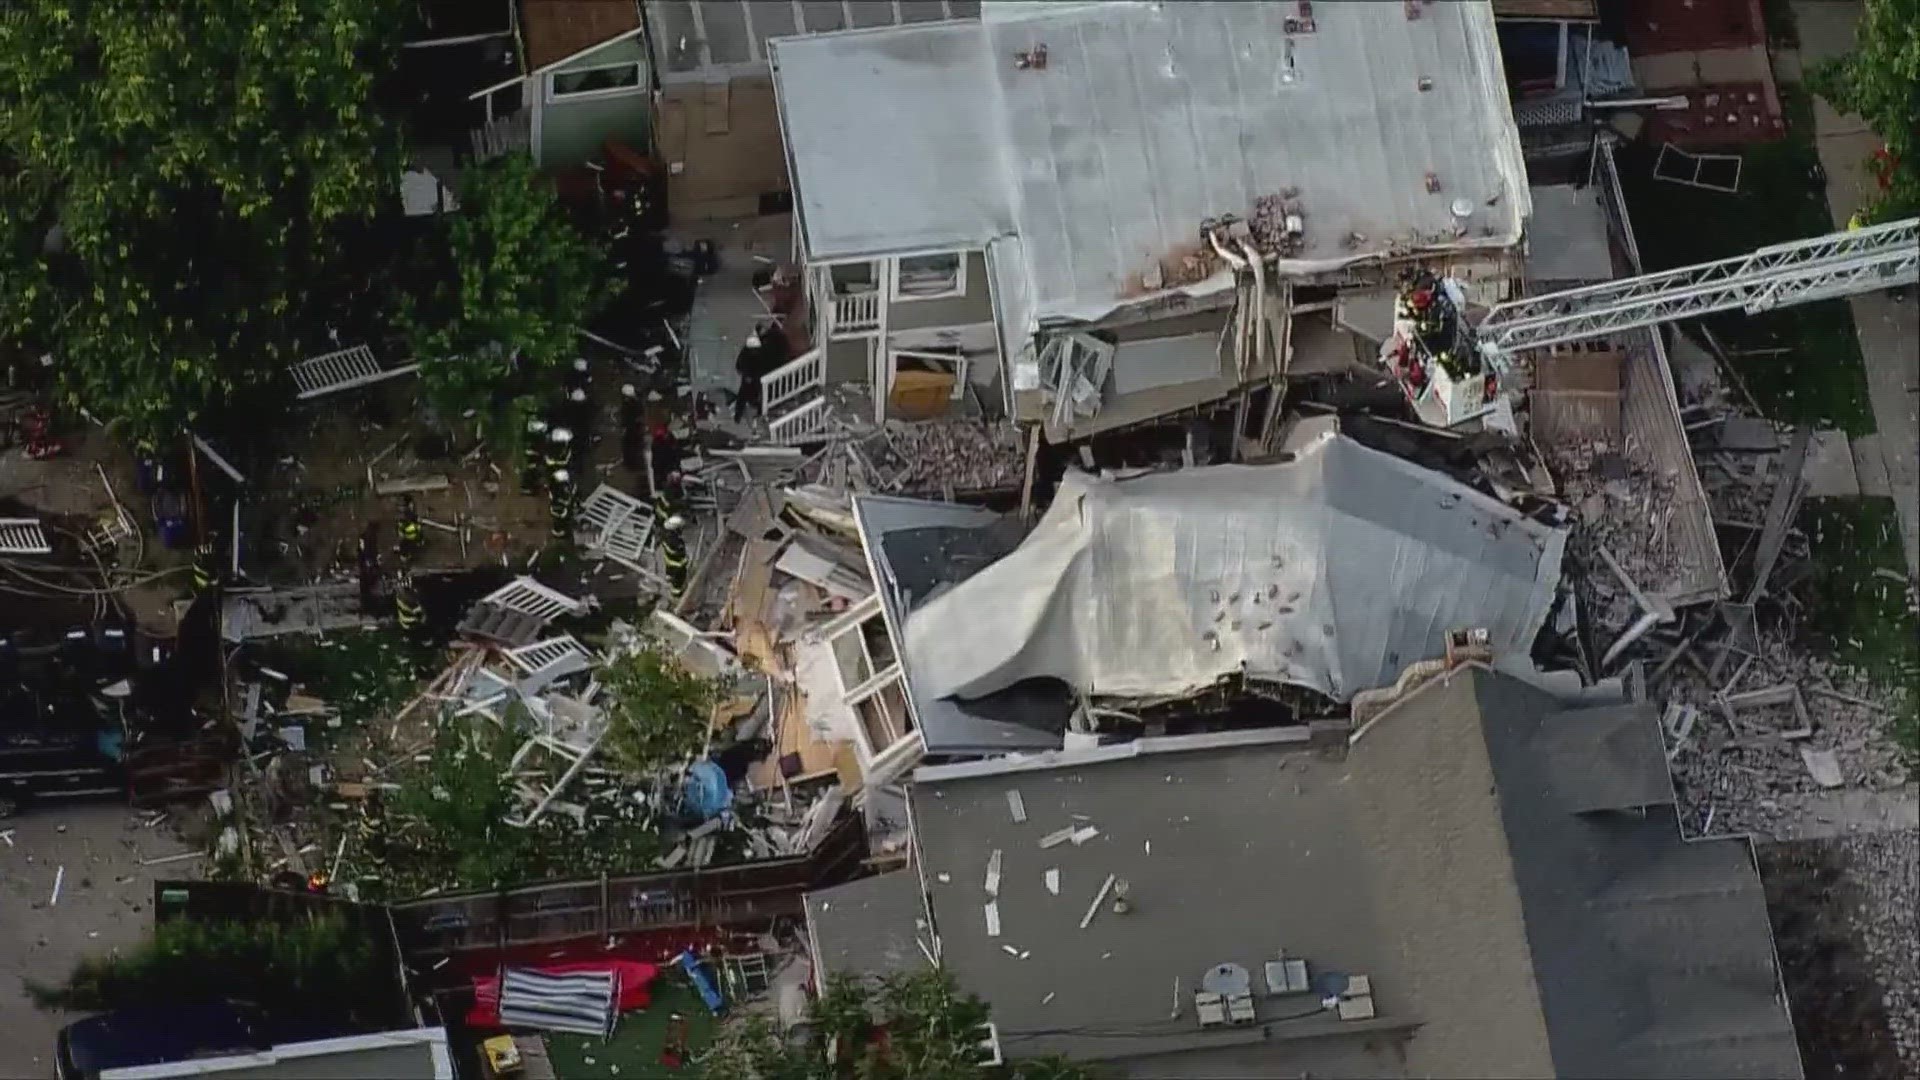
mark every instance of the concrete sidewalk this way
{"type": "Point", "coordinates": [1889, 331]}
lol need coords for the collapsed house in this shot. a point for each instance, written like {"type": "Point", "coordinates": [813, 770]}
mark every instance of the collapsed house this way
{"type": "Point", "coordinates": [1023, 204]}
{"type": "Point", "coordinates": [1331, 570]}
{"type": "Point", "coordinates": [1486, 878]}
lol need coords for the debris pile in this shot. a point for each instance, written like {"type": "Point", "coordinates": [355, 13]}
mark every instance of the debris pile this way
{"type": "Point", "coordinates": [1885, 868]}
{"type": "Point", "coordinates": [1624, 508]}
{"type": "Point", "coordinates": [1752, 735]}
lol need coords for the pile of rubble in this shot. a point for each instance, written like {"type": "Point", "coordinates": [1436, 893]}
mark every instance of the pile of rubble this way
{"type": "Point", "coordinates": [1885, 868]}
{"type": "Point", "coordinates": [1624, 509]}
{"type": "Point", "coordinates": [1752, 736]}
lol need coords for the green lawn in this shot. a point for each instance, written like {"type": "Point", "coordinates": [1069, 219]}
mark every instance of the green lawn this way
{"type": "Point", "coordinates": [1861, 616]}
{"type": "Point", "coordinates": [1819, 378]}
{"type": "Point", "coordinates": [634, 1051]}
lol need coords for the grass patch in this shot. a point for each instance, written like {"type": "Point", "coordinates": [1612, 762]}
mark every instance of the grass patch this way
{"type": "Point", "coordinates": [1819, 378]}
{"type": "Point", "coordinates": [634, 1051]}
{"type": "Point", "coordinates": [1861, 615]}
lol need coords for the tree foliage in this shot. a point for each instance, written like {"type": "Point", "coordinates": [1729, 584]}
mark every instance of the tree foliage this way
{"type": "Point", "coordinates": [1879, 81]}
{"type": "Point", "coordinates": [902, 1027]}
{"type": "Point", "coordinates": [513, 282]}
{"type": "Point", "coordinates": [319, 968]}
{"type": "Point", "coordinates": [205, 161]}
{"type": "Point", "coordinates": [659, 711]}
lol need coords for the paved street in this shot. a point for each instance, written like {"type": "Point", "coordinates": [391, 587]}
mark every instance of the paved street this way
{"type": "Point", "coordinates": [105, 902]}
{"type": "Point", "coordinates": [1889, 331]}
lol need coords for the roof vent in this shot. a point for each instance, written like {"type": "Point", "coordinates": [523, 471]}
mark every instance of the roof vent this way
{"type": "Point", "coordinates": [1287, 976]}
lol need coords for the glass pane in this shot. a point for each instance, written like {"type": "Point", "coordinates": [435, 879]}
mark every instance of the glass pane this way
{"type": "Point", "coordinates": [929, 275]}
{"type": "Point", "coordinates": [592, 79]}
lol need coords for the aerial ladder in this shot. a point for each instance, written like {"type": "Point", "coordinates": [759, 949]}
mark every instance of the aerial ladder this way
{"type": "Point", "coordinates": [1454, 370]}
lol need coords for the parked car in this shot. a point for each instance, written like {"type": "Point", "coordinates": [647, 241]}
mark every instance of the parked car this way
{"type": "Point", "coordinates": [133, 1037]}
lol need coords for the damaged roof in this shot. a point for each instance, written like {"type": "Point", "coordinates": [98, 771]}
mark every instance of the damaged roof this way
{"type": "Point", "coordinates": [918, 550]}
{"type": "Point", "coordinates": [1332, 570]}
{"type": "Point", "coordinates": [557, 29]}
{"type": "Point", "coordinates": [1504, 929]}
{"type": "Point", "coordinates": [894, 140]}
{"type": "Point", "coordinates": [1143, 120]}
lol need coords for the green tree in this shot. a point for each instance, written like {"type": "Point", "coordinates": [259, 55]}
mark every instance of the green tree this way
{"type": "Point", "coordinates": [205, 162]}
{"type": "Point", "coordinates": [659, 711]}
{"type": "Point", "coordinates": [513, 284]}
{"type": "Point", "coordinates": [1879, 81]}
{"type": "Point", "coordinates": [901, 1027]}
{"type": "Point", "coordinates": [314, 967]}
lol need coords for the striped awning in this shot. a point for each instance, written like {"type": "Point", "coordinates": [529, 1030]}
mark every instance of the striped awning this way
{"type": "Point", "coordinates": [580, 1003]}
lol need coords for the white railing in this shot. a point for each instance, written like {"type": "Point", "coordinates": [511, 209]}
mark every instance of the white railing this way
{"type": "Point", "coordinates": [801, 425]}
{"type": "Point", "coordinates": [543, 654]}
{"type": "Point", "coordinates": [23, 536]}
{"type": "Point", "coordinates": [502, 136]}
{"type": "Point", "coordinates": [852, 314]}
{"type": "Point", "coordinates": [790, 380]}
{"type": "Point", "coordinates": [341, 370]}
{"type": "Point", "coordinates": [529, 597]}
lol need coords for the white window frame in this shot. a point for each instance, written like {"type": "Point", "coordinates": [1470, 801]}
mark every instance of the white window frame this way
{"type": "Point", "coordinates": [960, 364]}
{"type": "Point", "coordinates": [556, 97]}
{"type": "Point", "coordinates": [870, 690]}
{"type": "Point", "coordinates": [958, 290]}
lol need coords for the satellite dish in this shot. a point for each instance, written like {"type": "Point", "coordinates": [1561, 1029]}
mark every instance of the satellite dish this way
{"type": "Point", "coordinates": [1462, 208]}
{"type": "Point", "coordinates": [1226, 980]}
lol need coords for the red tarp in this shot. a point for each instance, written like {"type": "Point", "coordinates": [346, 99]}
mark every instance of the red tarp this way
{"type": "Point", "coordinates": [634, 979]}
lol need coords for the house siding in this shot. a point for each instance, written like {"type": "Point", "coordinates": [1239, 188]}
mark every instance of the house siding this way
{"type": "Point", "coordinates": [571, 131]}
{"type": "Point", "coordinates": [975, 307]}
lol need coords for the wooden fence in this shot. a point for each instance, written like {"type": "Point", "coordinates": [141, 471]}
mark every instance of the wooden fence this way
{"type": "Point", "coordinates": [551, 913]}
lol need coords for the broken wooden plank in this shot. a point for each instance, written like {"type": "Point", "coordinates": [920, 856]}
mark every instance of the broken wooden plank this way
{"type": "Point", "coordinates": [410, 485]}
{"type": "Point", "coordinates": [1098, 899]}
{"type": "Point", "coordinates": [1787, 488]}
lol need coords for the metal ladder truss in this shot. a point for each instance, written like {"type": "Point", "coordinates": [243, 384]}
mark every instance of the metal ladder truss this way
{"type": "Point", "coordinates": [1838, 264]}
{"type": "Point", "coordinates": [345, 369]}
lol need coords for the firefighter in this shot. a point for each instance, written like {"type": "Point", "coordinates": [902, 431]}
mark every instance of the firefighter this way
{"type": "Point", "coordinates": [560, 501]}
{"type": "Point", "coordinates": [409, 532]}
{"type": "Point", "coordinates": [406, 608]}
{"type": "Point", "coordinates": [669, 500]}
{"type": "Point", "coordinates": [579, 410]}
{"type": "Point", "coordinates": [530, 451]}
{"type": "Point", "coordinates": [206, 571]}
{"type": "Point", "coordinates": [665, 451]}
{"type": "Point", "coordinates": [673, 552]}
{"type": "Point", "coordinates": [633, 429]}
{"type": "Point", "coordinates": [580, 376]}
{"type": "Point", "coordinates": [559, 449]}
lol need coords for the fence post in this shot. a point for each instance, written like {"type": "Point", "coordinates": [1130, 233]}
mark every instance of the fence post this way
{"type": "Point", "coordinates": [605, 912]}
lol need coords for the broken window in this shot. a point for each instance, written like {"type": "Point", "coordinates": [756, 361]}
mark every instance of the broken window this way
{"type": "Point", "coordinates": [930, 277]}
{"type": "Point", "coordinates": [594, 81]}
{"type": "Point", "coordinates": [850, 278]}
{"type": "Point", "coordinates": [884, 715]}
